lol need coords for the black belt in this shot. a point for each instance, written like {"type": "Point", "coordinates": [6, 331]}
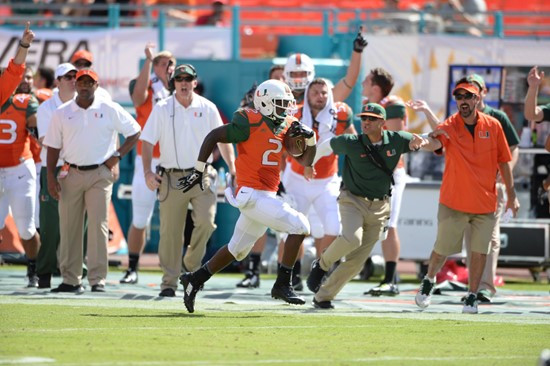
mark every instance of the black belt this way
{"type": "Point", "coordinates": [386, 197]}
{"type": "Point", "coordinates": [173, 170]}
{"type": "Point", "coordinates": [85, 167]}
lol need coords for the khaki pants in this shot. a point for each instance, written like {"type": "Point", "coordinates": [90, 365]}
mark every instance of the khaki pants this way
{"type": "Point", "coordinates": [451, 225]}
{"type": "Point", "coordinates": [489, 273]}
{"type": "Point", "coordinates": [364, 222]}
{"type": "Point", "coordinates": [173, 210]}
{"type": "Point", "coordinates": [84, 191]}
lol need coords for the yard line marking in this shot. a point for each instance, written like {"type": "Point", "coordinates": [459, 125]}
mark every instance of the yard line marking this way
{"type": "Point", "coordinates": [27, 330]}
{"type": "Point", "coordinates": [23, 360]}
{"type": "Point", "coordinates": [299, 361]}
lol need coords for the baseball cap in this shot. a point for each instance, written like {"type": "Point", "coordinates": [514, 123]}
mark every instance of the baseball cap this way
{"type": "Point", "coordinates": [185, 69]}
{"type": "Point", "coordinates": [63, 69]}
{"type": "Point", "coordinates": [478, 79]}
{"type": "Point", "coordinates": [82, 54]}
{"type": "Point", "coordinates": [373, 109]}
{"type": "Point", "coordinates": [91, 73]}
{"type": "Point", "coordinates": [469, 87]}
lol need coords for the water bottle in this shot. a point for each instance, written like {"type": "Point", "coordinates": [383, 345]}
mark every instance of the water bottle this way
{"type": "Point", "coordinates": [525, 139]}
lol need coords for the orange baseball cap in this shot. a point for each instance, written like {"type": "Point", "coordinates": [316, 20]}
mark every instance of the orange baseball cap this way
{"type": "Point", "coordinates": [471, 88]}
{"type": "Point", "coordinates": [82, 54]}
{"type": "Point", "coordinates": [91, 73]}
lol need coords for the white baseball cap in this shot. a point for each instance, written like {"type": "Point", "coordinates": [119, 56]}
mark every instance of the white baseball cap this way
{"type": "Point", "coordinates": [63, 69]}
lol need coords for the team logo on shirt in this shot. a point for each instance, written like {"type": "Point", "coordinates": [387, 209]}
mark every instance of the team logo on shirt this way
{"type": "Point", "coordinates": [390, 153]}
{"type": "Point", "coordinates": [198, 114]}
{"type": "Point", "coordinates": [483, 134]}
{"type": "Point", "coordinates": [98, 115]}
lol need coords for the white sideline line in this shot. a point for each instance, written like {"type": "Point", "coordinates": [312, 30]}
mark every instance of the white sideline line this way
{"type": "Point", "coordinates": [299, 361]}
{"type": "Point", "coordinates": [28, 330]}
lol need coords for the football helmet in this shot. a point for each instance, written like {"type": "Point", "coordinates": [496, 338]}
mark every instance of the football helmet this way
{"type": "Point", "coordinates": [274, 100]}
{"type": "Point", "coordinates": [299, 62]}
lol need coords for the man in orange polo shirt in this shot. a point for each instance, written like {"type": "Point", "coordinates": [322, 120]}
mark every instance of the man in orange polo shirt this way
{"type": "Point", "coordinates": [475, 149]}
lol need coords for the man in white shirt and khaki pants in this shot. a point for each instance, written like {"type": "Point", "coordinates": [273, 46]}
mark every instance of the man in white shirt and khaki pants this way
{"type": "Point", "coordinates": [179, 124]}
{"type": "Point", "coordinates": [85, 131]}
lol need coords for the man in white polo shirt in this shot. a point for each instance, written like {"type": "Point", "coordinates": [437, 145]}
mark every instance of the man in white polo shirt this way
{"type": "Point", "coordinates": [179, 124]}
{"type": "Point", "coordinates": [46, 261]}
{"type": "Point", "coordinates": [85, 130]}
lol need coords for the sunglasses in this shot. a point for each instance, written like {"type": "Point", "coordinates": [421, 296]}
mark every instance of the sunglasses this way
{"type": "Point", "coordinates": [69, 76]}
{"type": "Point", "coordinates": [369, 118]}
{"type": "Point", "coordinates": [465, 96]}
{"type": "Point", "coordinates": [181, 78]}
{"type": "Point", "coordinates": [82, 63]}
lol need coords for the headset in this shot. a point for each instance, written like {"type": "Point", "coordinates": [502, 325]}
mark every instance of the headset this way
{"type": "Point", "coordinates": [171, 82]}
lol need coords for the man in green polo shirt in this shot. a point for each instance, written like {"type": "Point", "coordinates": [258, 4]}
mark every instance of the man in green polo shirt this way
{"type": "Point", "coordinates": [364, 200]}
{"type": "Point", "coordinates": [487, 287]}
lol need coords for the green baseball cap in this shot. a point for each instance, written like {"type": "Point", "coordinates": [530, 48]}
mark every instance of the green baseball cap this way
{"type": "Point", "coordinates": [373, 109]}
{"type": "Point", "coordinates": [185, 69]}
{"type": "Point", "coordinates": [478, 79]}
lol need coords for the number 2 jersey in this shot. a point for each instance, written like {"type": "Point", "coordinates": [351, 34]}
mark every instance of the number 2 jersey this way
{"type": "Point", "coordinates": [259, 148]}
{"type": "Point", "coordinates": [14, 136]}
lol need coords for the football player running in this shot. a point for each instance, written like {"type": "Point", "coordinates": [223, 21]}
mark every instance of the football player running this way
{"type": "Point", "coordinates": [259, 135]}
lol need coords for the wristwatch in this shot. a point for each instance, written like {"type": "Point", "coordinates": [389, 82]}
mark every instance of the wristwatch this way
{"type": "Point", "coordinates": [117, 155]}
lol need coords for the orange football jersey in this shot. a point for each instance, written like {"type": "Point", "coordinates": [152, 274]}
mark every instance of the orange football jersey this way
{"type": "Point", "coordinates": [259, 149]}
{"type": "Point", "coordinates": [14, 136]}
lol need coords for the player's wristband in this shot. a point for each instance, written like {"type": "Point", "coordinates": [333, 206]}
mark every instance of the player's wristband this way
{"type": "Point", "coordinates": [22, 45]}
{"type": "Point", "coordinates": [311, 141]}
{"type": "Point", "coordinates": [199, 166]}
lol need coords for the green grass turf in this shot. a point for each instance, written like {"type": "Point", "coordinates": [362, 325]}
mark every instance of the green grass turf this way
{"type": "Point", "coordinates": [114, 332]}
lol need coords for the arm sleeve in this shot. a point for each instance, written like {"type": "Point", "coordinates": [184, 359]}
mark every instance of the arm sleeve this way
{"type": "Point", "coordinates": [406, 137]}
{"type": "Point", "coordinates": [32, 107]}
{"type": "Point", "coordinates": [239, 128]}
{"type": "Point", "coordinates": [504, 154]}
{"type": "Point", "coordinates": [151, 130]}
{"type": "Point", "coordinates": [509, 131]}
{"type": "Point", "coordinates": [54, 137]}
{"type": "Point", "coordinates": [43, 119]}
{"type": "Point", "coordinates": [10, 79]}
{"type": "Point", "coordinates": [125, 124]}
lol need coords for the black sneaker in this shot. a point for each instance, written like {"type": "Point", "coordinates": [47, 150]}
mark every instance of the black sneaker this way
{"type": "Point", "coordinates": [167, 292]}
{"type": "Point", "coordinates": [383, 289]}
{"type": "Point", "coordinates": [286, 293]}
{"type": "Point", "coordinates": [322, 304]}
{"type": "Point", "coordinates": [315, 277]}
{"type": "Point", "coordinates": [190, 289]}
{"type": "Point", "coordinates": [32, 277]}
{"type": "Point", "coordinates": [423, 297]}
{"type": "Point", "coordinates": [130, 277]}
{"type": "Point", "coordinates": [32, 281]}
{"type": "Point", "coordinates": [77, 289]}
{"type": "Point", "coordinates": [250, 280]}
{"type": "Point", "coordinates": [297, 283]}
{"type": "Point", "coordinates": [98, 288]}
{"type": "Point", "coordinates": [45, 280]}
{"type": "Point", "coordinates": [470, 305]}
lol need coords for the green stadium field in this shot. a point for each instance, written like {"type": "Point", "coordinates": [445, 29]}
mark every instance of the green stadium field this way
{"type": "Point", "coordinates": [130, 325]}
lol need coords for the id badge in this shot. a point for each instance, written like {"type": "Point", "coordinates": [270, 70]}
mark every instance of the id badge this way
{"type": "Point", "coordinates": [64, 171]}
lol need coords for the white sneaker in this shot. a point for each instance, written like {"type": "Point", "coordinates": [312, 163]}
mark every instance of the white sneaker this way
{"type": "Point", "coordinates": [470, 304]}
{"type": "Point", "coordinates": [423, 297]}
